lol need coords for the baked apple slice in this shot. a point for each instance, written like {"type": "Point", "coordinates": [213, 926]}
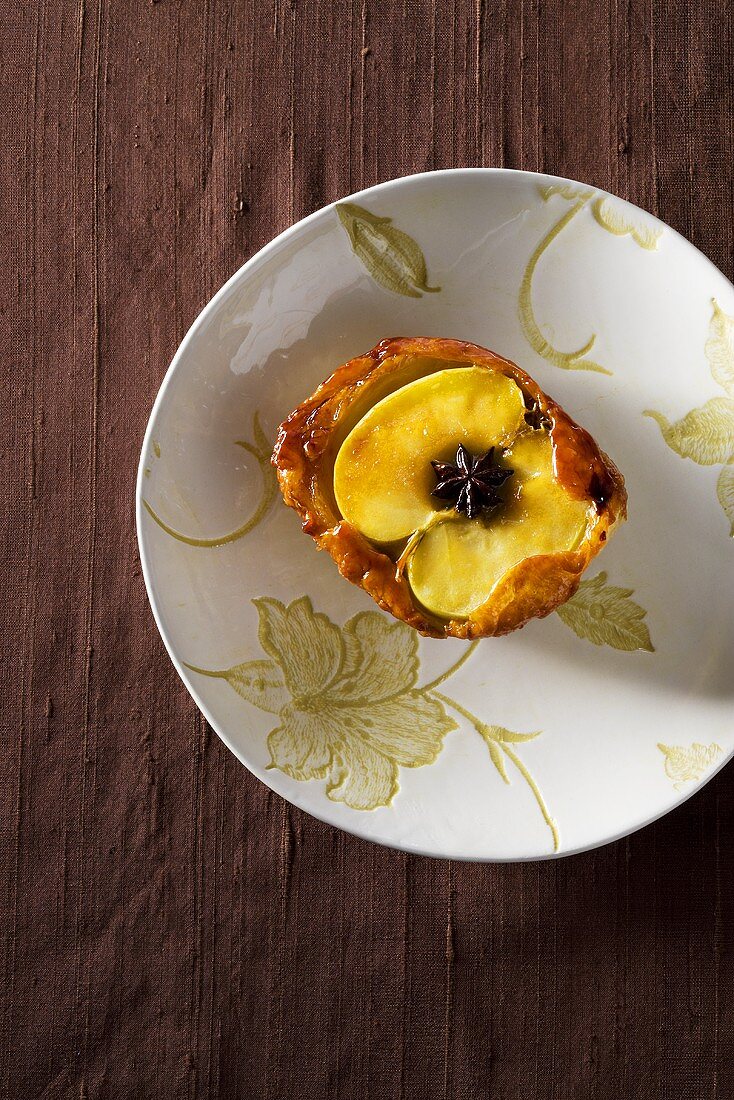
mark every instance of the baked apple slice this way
{"type": "Point", "coordinates": [444, 482]}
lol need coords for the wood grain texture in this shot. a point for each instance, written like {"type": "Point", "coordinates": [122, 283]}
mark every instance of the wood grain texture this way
{"type": "Point", "coordinates": [169, 927]}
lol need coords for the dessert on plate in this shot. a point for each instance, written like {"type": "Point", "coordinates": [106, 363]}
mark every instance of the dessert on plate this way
{"type": "Point", "coordinates": [443, 481]}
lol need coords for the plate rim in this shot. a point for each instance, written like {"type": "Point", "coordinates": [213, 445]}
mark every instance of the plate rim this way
{"type": "Point", "coordinates": [262, 256]}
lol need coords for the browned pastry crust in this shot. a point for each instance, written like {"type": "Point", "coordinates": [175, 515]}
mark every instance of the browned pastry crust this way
{"type": "Point", "coordinates": [310, 438]}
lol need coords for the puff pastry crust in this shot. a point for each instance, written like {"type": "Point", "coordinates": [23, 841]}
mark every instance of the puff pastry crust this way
{"type": "Point", "coordinates": [309, 441]}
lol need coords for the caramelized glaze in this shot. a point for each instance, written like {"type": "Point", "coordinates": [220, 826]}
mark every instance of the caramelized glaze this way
{"type": "Point", "coordinates": [310, 438]}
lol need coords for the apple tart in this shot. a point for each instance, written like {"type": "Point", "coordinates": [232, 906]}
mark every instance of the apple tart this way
{"type": "Point", "coordinates": [443, 481]}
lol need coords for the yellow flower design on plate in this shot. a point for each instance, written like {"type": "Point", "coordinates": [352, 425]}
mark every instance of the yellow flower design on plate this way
{"type": "Point", "coordinates": [349, 707]}
{"type": "Point", "coordinates": [349, 712]}
{"type": "Point", "coordinates": [688, 764]}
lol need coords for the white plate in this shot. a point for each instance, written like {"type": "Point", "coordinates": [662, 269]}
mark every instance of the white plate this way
{"type": "Point", "coordinates": [532, 267]}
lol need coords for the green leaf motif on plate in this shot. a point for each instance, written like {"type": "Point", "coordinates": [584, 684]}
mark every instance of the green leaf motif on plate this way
{"type": "Point", "coordinates": [393, 259]}
{"type": "Point", "coordinates": [684, 765]}
{"type": "Point", "coordinates": [497, 738]}
{"type": "Point", "coordinates": [507, 737]}
{"type": "Point", "coordinates": [349, 706]}
{"type": "Point", "coordinates": [720, 348]}
{"type": "Point", "coordinates": [605, 614]}
{"type": "Point", "coordinates": [258, 682]}
{"type": "Point", "coordinates": [705, 435]}
{"type": "Point", "coordinates": [611, 215]}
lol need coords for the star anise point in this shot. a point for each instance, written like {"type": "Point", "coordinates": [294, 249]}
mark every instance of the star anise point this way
{"type": "Point", "coordinates": [471, 483]}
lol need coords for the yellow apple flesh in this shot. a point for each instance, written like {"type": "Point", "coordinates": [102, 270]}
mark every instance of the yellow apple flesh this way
{"type": "Point", "coordinates": [458, 561]}
{"type": "Point", "coordinates": [383, 477]}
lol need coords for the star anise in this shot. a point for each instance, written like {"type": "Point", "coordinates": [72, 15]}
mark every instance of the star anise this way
{"type": "Point", "coordinates": [471, 483]}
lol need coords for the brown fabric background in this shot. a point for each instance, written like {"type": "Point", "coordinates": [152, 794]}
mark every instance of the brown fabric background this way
{"type": "Point", "coordinates": [168, 927]}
